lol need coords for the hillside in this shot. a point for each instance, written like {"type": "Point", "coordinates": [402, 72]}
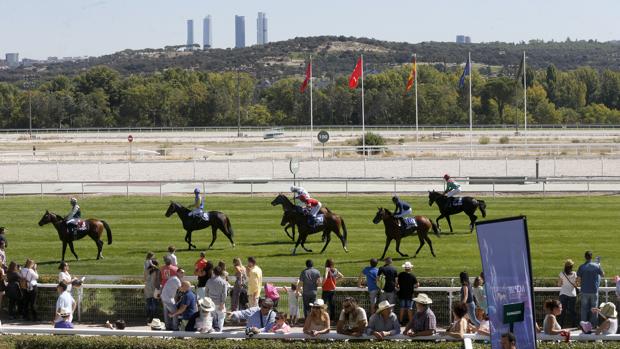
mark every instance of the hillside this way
{"type": "Point", "coordinates": [335, 55]}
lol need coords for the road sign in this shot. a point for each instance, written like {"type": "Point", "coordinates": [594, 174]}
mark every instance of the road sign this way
{"type": "Point", "coordinates": [130, 138]}
{"type": "Point", "coordinates": [293, 166]}
{"type": "Point", "coordinates": [323, 136]}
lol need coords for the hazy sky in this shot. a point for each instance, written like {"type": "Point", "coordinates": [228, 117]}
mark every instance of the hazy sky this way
{"type": "Point", "coordinates": [42, 28]}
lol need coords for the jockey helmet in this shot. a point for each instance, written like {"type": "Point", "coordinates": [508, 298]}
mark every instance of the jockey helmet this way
{"type": "Point", "coordinates": [197, 190]}
{"type": "Point", "coordinates": [73, 201]}
{"type": "Point", "coordinates": [446, 176]}
{"type": "Point", "coordinates": [293, 189]}
{"type": "Point", "coordinates": [394, 198]}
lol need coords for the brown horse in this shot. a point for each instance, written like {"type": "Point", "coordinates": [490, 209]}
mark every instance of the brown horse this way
{"type": "Point", "coordinates": [394, 232]}
{"type": "Point", "coordinates": [331, 223]}
{"type": "Point", "coordinates": [94, 229]}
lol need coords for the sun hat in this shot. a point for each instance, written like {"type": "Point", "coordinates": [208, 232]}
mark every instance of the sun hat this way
{"type": "Point", "coordinates": [383, 305]}
{"type": "Point", "coordinates": [608, 309]}
{"type": "Point", "coordinates": [569, 262]}
{"type": "Point", "coordinates": [64, 312]}
{"type": "Point", "coordinates": [206, 304]}
{"type": "Point", "coordinates": [319, 303]}
{"type": "Point", "coordinates": [407, 265]}
{"type": "Point", "coordinates": [156, 324]}
{"type": "Point", "coordinates": [423, 298]}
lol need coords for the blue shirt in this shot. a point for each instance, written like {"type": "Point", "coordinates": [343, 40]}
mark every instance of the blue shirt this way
{"type": "Point", "coordinates": [63, 324]}
{"type": "Point", "coordinates": [261, 321]}
{"type": "Point", "coordinates": [590, 274]}
{"type": "Point", "coordinates": [371, 277]}
{"type": "Point", "coordinates": [188, 299]}
{"type": "Point", "coordinates": [401, 206]}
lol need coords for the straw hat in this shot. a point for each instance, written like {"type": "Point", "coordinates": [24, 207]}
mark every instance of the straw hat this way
{"type": "Point", "coordinates": [156, 324]}
{"type": "Point", "coordinates": [383, 305]}
{"type": "Point", "coordinates": [407, 265]}
{"type": "Point", "coordinates": [64, 312]}
{"type": "Point", "coordinates": [319, 303]}
{"type": "Point", "coordinates": [423, 298]}
{"type": "Point", "coordinates": [608, 309]}
{"type": "Point", "coordinates": [206, 304]}
{"type": "Point", "coordinates": [569, 263]}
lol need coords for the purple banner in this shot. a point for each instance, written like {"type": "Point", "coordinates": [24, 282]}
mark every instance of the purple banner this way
{"type": "Point", "coordinates": [505, 253]}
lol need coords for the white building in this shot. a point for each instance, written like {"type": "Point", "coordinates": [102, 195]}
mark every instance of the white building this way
{"type": "Point", "coordinates": [190, 34]}
{"type": "Point", "coordinates": [207, 32]}
{"type": "Point", "coordinates": [261, 29]}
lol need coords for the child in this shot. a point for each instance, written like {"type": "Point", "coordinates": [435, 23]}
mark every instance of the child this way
{"type": "Point", "coordinates": [173, 258]}
{"type": "Point", "coordinates": [293, 304]}
{"type": "Point", "coordinates": [280, 326]}
{"type": "Point", "coordinates": [271, 292]}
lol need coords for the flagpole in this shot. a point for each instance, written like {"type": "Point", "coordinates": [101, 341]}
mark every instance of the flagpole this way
{"type": "Point", "coordinates": [311, 110]}
{"type": "Point", "coordinates": [524, 99]}
{"type": "Point", "coordinates": [471, 144]}
{"type": "Point", "coordinates": [363, 120]}
{"type": "Point", "coordinates": [415, 86]}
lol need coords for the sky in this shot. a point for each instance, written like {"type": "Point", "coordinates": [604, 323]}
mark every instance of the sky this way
{"type": "Point", "coordinates": [41, 28]}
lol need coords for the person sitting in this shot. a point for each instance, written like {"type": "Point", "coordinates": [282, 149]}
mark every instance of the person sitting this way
{"type": "Point", "coordinates": [238, 316]}
{"type": "Point", "coordinates": [318, 321]}
{"type": "Point", "coordinates": [259, 321]}
{"type": "Point", "coordinates": [65, 322]}
{"type": "Point", "coordinates": [187, 308]}
{"type": "Point", "coordinates": [485, 327]}
{"type": "Point", "coordinates": [2, 237]}
{"type": "Point", "coordinates": [423, 322]}
{"type": "Point", "coordinates": [312, 205]}
{"type": "Point", "coordinates": [607, 311]}
{"type": "Point", "coordinates": [198, 206]}
{"type": "Point", "coordinates": [452, 188]}
{"type": "Point", "coordinates": [550, 323]}
{"type": "Point", "coordinates": [73, 217]}
{"type": "Point", "coordinates": [352, 320]}
{"type": "Point", "coordinates": [402, 209]}
{"type": "Point", "coordinates": [383, 323]}
{"type": "Point", "coordinates": [280, 326]}
{"type": "Point", "coordinates": [508, 341]}
{"type": "Point", "coordinates": [204, 323]}
{"type": "Point", "coordinates": [458, 328]}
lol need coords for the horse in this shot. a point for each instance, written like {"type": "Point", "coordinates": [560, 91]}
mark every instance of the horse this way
{"type": "Point", "coordinates": [217, 220]}
{"type": "Point", "coordinates": [94, 229]}
{"type": "Point", "coordinates": [288, 221]}
{"type": "Point", "coordinates": [469, 206]}
{"type": "Point", "coordinates": [331, 223]}
{"type": "Point", "coordinates": [394, 232]}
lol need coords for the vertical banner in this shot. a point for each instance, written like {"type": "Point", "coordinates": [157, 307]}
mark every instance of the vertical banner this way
{"type": "Point", "coordinates": [505, 252]}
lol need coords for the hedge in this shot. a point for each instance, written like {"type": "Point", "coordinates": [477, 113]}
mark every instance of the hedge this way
{"type": "Point", "coordinates": [77, 342]}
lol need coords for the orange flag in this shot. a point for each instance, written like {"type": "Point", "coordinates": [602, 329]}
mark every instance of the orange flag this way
{"type": "Point", "coordinates": [411, 79]}
{"type": "Point", "coordinates": [356, 75]}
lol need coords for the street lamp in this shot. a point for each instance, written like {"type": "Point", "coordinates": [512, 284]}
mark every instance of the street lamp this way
{"type": "Point", "coordinates": [29, 84]}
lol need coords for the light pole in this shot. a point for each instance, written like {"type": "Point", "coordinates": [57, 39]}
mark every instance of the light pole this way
{"type": "Point", "coordinates": [238, 104]}
{"type": "Point", "coordinates": [29, 84]}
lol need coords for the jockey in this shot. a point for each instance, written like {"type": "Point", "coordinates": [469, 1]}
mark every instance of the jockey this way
{"type": "Point", "coordinates": [74, 215]}
{"type": "Point", "coordinates": [452, 187]}
{"type": "Point", "coordinates": [313, 204]}
{"type": "Point", "coordinates": [403, 209]}
{"type": "Point", "coordinates": [300, 195]}
{"type": "Point", "coordinates": [199, 204]}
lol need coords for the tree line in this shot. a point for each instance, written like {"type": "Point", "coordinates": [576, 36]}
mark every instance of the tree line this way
{"type": "Point", "coordinates": [102, 97]}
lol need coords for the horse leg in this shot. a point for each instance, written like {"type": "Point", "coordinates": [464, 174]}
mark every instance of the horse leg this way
{"type": "Point", "coordinates": [339, 235]}
{"type": "Point", "coordinates": [99, 249]}
{"type": "Point", "coordinates": [421, 238]}
{"type": "Point", "coordinates": [226, 232]}
{"type": "Point", "coordinates": [64, 249]}
{"type": "Point", "coordinates": [73, 251]}
{"type": "Point", "coordinates": [188, 239]}
{"type": "Point", "coordinates": [438, 218]}
{"type": "Point", "coordinates": [472, 220]}
{"type": "Point", "coordinates": [449, 223]}
{"type": "Point", "coordinates": [300, 240]}
{"type": "Point", "coordinates": [430, 244]}
{"type": "Point", "coordinates": [292, 237]}
{"type": "Point", "coordinates": [388, 240]}
{"type": "Point", "coordinates": [213, 236]}
{"type": "Point", "coordinates": [398, 249]}
{"type": "Point", "coordinates": [328, 238]}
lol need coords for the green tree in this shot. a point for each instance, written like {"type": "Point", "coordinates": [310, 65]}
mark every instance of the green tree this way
{"type": "Point", "coordinates": [502, 91]}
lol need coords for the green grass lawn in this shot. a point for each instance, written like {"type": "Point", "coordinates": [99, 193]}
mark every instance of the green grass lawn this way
{"type": "Point", "coordinates": [559, 228]}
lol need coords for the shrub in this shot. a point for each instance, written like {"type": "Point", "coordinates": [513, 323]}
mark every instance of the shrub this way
{"type": "Point", "coordinates": [484, 140]}
{"type": "Point", "coordinates": [504, 140]}
{"type": "Point", "coordinates": [374, 143]}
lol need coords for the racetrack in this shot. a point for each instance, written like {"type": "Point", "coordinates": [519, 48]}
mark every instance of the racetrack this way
{"type": "Point", "coordinates": [560, 228]}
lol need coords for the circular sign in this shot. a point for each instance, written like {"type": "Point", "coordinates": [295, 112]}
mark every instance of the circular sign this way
{"type": "Point", "coordinates": [323, 136]}
{"type": "Point", "coordinates": [130, 138]}
{"type": "Point", "coordinates": [293, 166]}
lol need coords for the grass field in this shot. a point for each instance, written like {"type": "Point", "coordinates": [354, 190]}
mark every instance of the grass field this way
{"type": "Point", "coordinates": [560, 228]}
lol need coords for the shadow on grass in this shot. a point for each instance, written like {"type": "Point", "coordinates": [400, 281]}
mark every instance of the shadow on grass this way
{"type": "Point", "coordinates": [277, 242]}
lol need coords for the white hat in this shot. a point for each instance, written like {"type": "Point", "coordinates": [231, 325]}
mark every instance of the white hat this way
{"type": "Point", "coordinates": [156, 324]}
{"type": "Point", "coordinates": [423, 298]}
{"type": "Point", "coordinates": [64, 312]}
{"type": "Point", "coordinates": [383, 305]}
{"type": "Point", "coordinates": [319, 303]}
{"type": "Point", "coordinates": [407, 265]}
{"type": "Point", "coordinates": [608, 309]}
{"type": "Point", "coordinates": [206, 304]}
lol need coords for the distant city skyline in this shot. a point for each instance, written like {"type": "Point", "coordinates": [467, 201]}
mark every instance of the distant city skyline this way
{"type": "Point", "coordinates": [73, 28]}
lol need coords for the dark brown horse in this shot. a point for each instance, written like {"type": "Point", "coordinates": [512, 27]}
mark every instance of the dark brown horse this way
{"type": "Point", "coordinates": [394, 232]}
{"type": "Point", "coordinates": [94, 229]}
{"type": "Point", "coordinates": [331, 223]}
{"type": "Point", "coordinates": [447, 208]}
{"type": "Point", "coordinates": [217, 220]}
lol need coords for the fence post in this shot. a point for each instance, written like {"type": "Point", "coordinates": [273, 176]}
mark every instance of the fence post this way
{"type": "Point", "coordinates": [506, 165]}
{"type": "Point", "coordinates": [251, 189]}
{"type": "Point", "coordinates": [459, 167]}
{"type": "Point", "coordinates": [493, 189]}
{"type": "Point", "coordinates": [79, 303]}
{"type": "Point", "coordinates": [228, 175]}
{"type": "Point", "coordinates": [319, 166]}
{"type": "Point", "coordinates": [18, 171]}
{"type": "Point", "coordinates": [554, 160]}
{"type": "Point", "coordinates": [273, 167]}
{"type": "Point", "coordinates": [544, 188]}
{"type": "Point", "coordinates": [129, 170]}
{"type": "Point", "coordinates": [194, 166]}
{"type": "Point", "coordinates": [364, 167]}
{"type": "Point", "coordinates": [602, 166]}
{"type": "Point", "coordinates": [450, 296]}
{"type": "Point", "coordinates": [3, 192]}
{"type": "Point", "coordinates": [411, 167]}
{"type": "Point", "coordinates": [161, 195]}
{"type": "Point", "coordinates": [588, 187]}
{"type": "Point", "coordinates": [127, 189]}
{"type": "Point", "coordinates": [41, 190]}
{"type": "Point", "coordinates": [57, 171]}
{"type": "Point", "coordinates": [346, 188]}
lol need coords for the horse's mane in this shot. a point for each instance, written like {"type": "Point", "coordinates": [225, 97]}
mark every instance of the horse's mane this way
{"type": "Point", "coordinates": [387, 211]}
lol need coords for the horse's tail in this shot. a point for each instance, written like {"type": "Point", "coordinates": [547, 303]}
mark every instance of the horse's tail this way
{"type": "Point", "coordinates": [483, 207]}
{"type": "Point", "coordinates": [435, 228]}
{"type": "Point", "coordinates": [108, 231]}
{"type": "Point", "coordinates": [229, 228]}
{"type": "Point", "coordinates": [344, 231]}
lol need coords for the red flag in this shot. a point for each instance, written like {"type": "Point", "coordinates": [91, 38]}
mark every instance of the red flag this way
{"type": "Point", "coordinates": [356, 75]}
{"type": "Point", "coordinates": [308, 77]}
{"type": "Point", "coordinates": [411, 79]}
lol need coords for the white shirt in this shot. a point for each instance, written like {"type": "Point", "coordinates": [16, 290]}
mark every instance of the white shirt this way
{"type": "Point", "coordinates": [173, 259]}
{"type": "Point", "coordinates": [65, 277]}
{"type": "Point", "coordinates": [65, 300]}
{"type": "Point", "coordinates": [567, 289]}
{"type": "Point", "coordinates": [31, 276]}
{"type": "Point", "coordinates": [170, 290]}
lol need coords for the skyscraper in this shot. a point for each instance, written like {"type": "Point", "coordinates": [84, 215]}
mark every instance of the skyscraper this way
{"type": "Point", "coordinates": [239, 31]}
{"type": "Point", "coordinates": [190, 34]}
{"type": "Point", "coordinates": [207, 32]}
{"type": "Point", "coordinates": [261, 29]}
{"type": "Point", "coordinates": [12, 60]}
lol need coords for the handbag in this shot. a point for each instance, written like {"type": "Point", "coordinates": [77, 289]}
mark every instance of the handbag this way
{"type": "Point", "coordinates": [577, 291]}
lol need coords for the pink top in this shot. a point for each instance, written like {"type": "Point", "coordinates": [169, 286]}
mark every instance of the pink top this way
{"type": "Point", "coordinates": [285, 328]}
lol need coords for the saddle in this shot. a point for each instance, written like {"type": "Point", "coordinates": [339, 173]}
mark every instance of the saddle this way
{"type": "Point", "coordinates": [410, 222]}
{"type": "Point", "coordinates": [316, 222]}
{"type": "Point", "coordinates": [81, 225]}
{"type": "Point", "coordinates": [455, 201]}
{"type": "Point", "coordinates": [204, 217]}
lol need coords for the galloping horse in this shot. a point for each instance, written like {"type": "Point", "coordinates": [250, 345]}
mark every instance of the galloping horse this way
{"type": "Point", "coordinates": [468, 205]}
{"type": "Point", "coordinates": [217, 220]}
{"type": "Point", "coordinates": [94, 229]}
{"type": "Point", "coordinates": [394, 232]}
{"type": "Point", "coordinates": [331, 223]}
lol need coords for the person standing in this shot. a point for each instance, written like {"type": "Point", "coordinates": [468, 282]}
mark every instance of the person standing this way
{"type": "Point", "coordinates": [167, 271]}
{"type": "Point", "coordinates": [406, 282]}
{"type": "Point", "coordinates": [216, 289]}
{"type": "Point", "coordinates": [171, 254]}
{"type": "Point", "coordinates": [467, 298]}
{"type": "Point", "coordinates": [589, 277]}
{"type": "Point", "coordinates": [255, 281]}
{"type": "Point", "coordinates": [168, 300]}
{"type": "Point", "coordinates": [13, 292]}
{"type": "Point", "coordinates": [389, 274]}
{"type": "Point", "coordinates": [241, 281]}
{"type": "Point", "coordinates": [310, 278]}
{"type": "Point", "coordinates": [64, 301]}
{"type": "Point", "coordinates": [3, 254]}
{"type": "Point", "coordinates": [30, 275]}
{"type": "Point", "coordinates": [370, 273]}
{"type": "Point", "coordinates": [332, 275]}
{"type": "Point", "coordinates": [151, 289]}
{"type": "Point", "coordinates": [568, 295]}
